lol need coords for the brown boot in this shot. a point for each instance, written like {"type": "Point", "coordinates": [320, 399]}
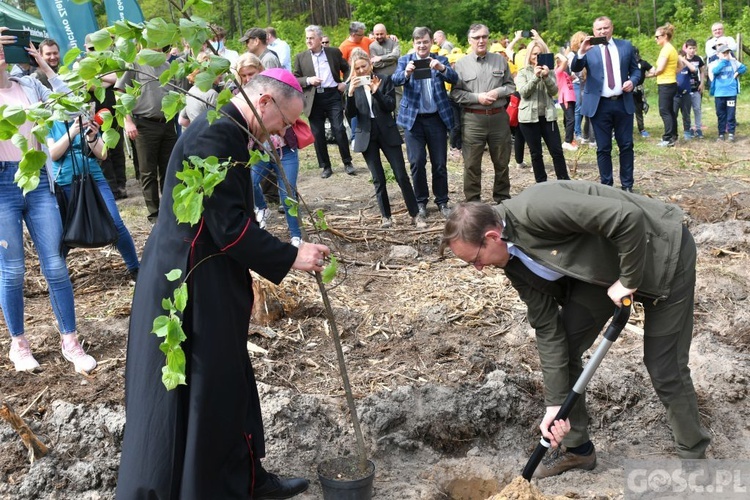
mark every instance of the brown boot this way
{"type": "Point", "coordinates": [561, 460]}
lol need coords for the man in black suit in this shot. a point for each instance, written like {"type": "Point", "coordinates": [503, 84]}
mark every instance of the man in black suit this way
{"type": "Point", "coordinates": [318, 71]}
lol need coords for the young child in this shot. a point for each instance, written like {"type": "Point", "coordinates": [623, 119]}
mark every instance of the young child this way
{"type": "Point", "coordinates": [724, 87]}
{"type": "Point", "coordinates": [697, 82]}
{"type": "Point", "coordinates": [683, 99]}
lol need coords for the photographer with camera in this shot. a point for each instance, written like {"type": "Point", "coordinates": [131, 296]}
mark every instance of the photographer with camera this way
{"type": "Point", "coordinates": [38, 209]}
{"type": "Point", "coordinates": [371, 98]}
{"type": "Point", "coordinates": [612, 73]}
{"type": "Point", "coordinates": [71, 145]}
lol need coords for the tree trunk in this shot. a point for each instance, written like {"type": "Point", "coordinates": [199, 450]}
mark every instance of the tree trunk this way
{"type": "Point", "coordinates": [268, 12]}
{"type": "Point", "coordinates": [267, 307]}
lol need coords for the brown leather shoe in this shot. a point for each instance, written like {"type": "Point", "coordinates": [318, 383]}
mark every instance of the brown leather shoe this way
{"type": "Point", "coordinates": [561, 460]}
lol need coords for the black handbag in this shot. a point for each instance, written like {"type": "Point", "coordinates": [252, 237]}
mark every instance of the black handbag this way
{"type": "Point", "coordinates": [88, 223]}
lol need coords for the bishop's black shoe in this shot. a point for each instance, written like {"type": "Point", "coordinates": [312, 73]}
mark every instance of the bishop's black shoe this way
{"type": "Point", "coordinates": [275, 488]}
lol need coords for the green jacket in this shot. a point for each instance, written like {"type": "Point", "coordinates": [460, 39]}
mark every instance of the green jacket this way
{"type": "Point", "coordinates": [593, 233]}
{"type": "Point", "coordinates": [534, 90]}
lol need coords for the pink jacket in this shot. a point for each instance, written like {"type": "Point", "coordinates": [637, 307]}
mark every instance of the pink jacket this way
{"type": "Point", "coordinates": [565, 92]}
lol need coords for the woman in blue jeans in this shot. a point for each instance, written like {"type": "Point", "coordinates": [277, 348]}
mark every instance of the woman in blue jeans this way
{"type": "Point", "coordinates": [286, 148]}
{"type": "Point", "coordinates": [66, 149]}
{"type": "Point", "coordinates": [38, 209]}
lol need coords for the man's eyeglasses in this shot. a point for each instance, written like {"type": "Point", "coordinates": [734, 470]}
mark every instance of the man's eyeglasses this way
{"type": "Point", "coordinates": [287, 123]}
{"type": "Point", "coordinates": [326, 42]}
{"type": "Point", "coordinates": [480, 37]}
{"type": "Point", "coordinates": [476, 257]}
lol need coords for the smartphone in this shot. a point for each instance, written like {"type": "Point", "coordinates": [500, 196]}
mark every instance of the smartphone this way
{"type": "Point", "coordinates": [547, 59]}
{"type": "Point", "coordinates": [16, 52]}
{"type": "Point", "coordinates": [365, 80]}
{"type": "Point", "coordinates": [526, 34]}
{"type": "Point", "coordinates": [422, 69]}
{"type": "Point", "coordinates": [598, 40]}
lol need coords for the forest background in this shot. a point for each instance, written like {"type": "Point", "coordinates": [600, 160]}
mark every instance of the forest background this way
{"type": "Point", "coordinates": [555, 20]}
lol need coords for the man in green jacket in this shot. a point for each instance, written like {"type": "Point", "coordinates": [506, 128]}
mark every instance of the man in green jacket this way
{"type": "Point", "coordinates": [571, 249]}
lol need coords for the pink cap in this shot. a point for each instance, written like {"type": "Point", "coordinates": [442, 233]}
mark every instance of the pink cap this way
{"type": "Point", "coordinates": [283, 76]}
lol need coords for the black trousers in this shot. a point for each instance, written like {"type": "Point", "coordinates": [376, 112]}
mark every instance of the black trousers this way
{"type": "Point", "coordinates": [534, 133]}
{"type": "Point", "coordinates": [329, 105]}
{"type": "Point", "coordinates": [667, 92]}
{"type": "Point", "coordinates": [569, 120]}
{"type": "Point", "coordinates": [113, 167]}
{"type": "Point", "coordinates": [395, 158]}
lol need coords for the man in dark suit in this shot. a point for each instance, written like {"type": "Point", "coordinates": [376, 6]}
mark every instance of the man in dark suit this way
{"type": "Point", "coordinates": [318, 71]}
{"type": "Point", "coordinates": [426, 116]}
{"type": "Point", "coordinates": [608, 98]}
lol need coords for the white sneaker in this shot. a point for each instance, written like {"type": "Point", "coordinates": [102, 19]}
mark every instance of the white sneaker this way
{"type": "Point", "coordinates": [262, 215]}
{"type": "Point", "coordinates": [83, 362]}
{"type": "Point", "coordinates": [22, 358]}
{"type": "Point", "coordinates": [420, 222]}
{"type": "Point", "coordinates": [296, 241]}
{"type": "Point", "coordinates": [569, 147]}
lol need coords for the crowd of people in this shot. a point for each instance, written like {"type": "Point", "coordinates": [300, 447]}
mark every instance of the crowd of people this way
{"type": "Point", "coordinates": [446, 102]}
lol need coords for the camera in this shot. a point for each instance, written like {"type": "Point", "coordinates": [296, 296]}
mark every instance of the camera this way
{"type": "Point", "coordinates": [526, 34]}
{"type": "Point", "coordinates": [365, 80]}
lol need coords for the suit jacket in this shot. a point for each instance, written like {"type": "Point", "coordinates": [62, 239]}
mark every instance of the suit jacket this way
{"type": "Point", "coordinates": [413, 91]}
{"type": "Point", "coordinates": [383, 105]}
{"type": "Point", "coordinates": [303, 68]}
{"type": "Point", "coordinates": [595, 78]}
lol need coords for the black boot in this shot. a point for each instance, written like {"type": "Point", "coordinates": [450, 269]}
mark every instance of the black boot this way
{"type": "Point", "coordinates": [275, 488]}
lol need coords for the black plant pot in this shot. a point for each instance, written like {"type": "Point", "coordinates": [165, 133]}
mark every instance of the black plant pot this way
{"type": "Point", "coordinates": [341, 480]}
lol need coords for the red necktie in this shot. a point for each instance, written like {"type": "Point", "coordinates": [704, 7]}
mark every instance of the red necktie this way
{"type": "Point", "coordinates": [610, 71]}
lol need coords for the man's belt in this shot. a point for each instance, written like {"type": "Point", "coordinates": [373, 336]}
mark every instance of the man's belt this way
{"type": "Point", "coordinates": [158, 119]}
{"type": "Point", "coordinates": [612, 97]}
{"type": "Point", "coordinates": [487, 111]}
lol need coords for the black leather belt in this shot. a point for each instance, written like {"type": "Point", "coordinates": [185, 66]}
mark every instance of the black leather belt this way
{"type": "Point", "coordinates": [487, 111]}
{"type": "Point", "coordinates": [426, 115]}
{"type": "Point", "coordinates": [321, 90]}
{"type": "Point", "coordinates": [613, 97]}
{"type": "Point", "coordinates": [150, 119]}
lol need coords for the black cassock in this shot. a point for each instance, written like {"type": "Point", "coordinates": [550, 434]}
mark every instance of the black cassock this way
{"type": "Point", "coordinates": [200, 441]}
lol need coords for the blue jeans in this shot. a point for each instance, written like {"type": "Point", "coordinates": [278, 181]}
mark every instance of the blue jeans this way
{"type": "Point", "coordinates": [578, 115]}
{"type": "Point", "coordinates": [125, 244]}
{"type": "Point", "coordinates": [290, 164]}
{"type": "Point", "coordinates": [39, 210]}
{"type": "Point", "coordinates": [726, 112]}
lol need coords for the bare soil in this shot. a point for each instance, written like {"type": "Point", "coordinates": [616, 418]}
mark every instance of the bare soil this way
{"type": "Point", "coordinates": [441, 357]}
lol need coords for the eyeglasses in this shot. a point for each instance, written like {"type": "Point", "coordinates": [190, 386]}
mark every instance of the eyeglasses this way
{"type": "Point", "coordinates": [658, 36]}
{"type": "Point", "coordinates": [480, 37]}
{"type": "Point", "coordinates": [476, 257]}
{"type": "Point", "coordinates": [287, 123]}
{"type": "Point", "coordinates": [326, 42]}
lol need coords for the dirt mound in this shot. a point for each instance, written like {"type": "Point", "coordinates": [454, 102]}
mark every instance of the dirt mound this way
{"type": "Point", "coordinates": [521, 489]}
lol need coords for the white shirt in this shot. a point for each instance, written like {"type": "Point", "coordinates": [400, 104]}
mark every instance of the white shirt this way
{"type": "Point", "coordinates": [615, 56]}
{"type": "Point", "coordinates": [323, 69]}
{"type": "Point", "coordinates": [284, 52]}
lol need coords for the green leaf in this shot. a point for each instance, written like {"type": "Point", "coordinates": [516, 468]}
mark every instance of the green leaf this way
{"type": "Point", "coordinates": [205, 80]}
{"type": "Point", "coordinates": [181, 297]}
{"type": "Point", "coordinates": [101, 39]}
{"type": "Point", "coordinates": [27, 176]}
{"type": "Point", "coordinates": [161, 326]}
{"type": "Point", "coordinates": [293, 206]}
{"type": "Point", "coordinates": [330, 270]}
{"type": "Point", "coordinates": [151, 57]}
{"type": "Point", "coordinates": [16, 115]}
{"type": "Point", "coordinates": [172, 103]}
{"type": "Point", "coordinates": [88, 68]}
{"type": "Point", "coordinates": [320, 220]}
{"type": "Point", "coordinates": [160, 33]}
{"type": "Point", "coordinates": [40, 132]}
{"type": "Point", "coordinates": [212, 115]}
{"type": "Point", "coordinates": [218, 65]}
{"type": "Point", "coordinates": [38, 113]}
{"type": "Point", "coordinates": [70, 56]}
{"type": "Point", "coordinates": [175, 335]}
{"type": "Point", "coordinates": [19, 141]}
{"type": "Point", "coordinates": [172, 379]}
{"type": "Point", "coordinates": [100, 93]}
{"type": "Point", "coordinates": [111, 137]}
{"type": "Point", "coordinates": [127, 48]}
{"type": "Point", "coordinates": [174, 274]}
{"type": "Point", "coordinates": [166, 304]}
